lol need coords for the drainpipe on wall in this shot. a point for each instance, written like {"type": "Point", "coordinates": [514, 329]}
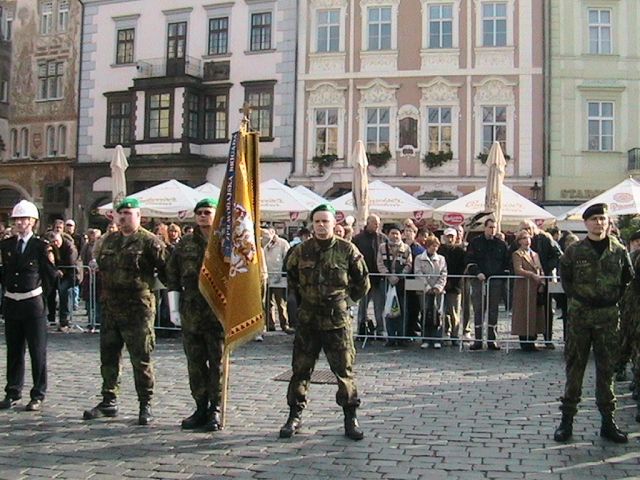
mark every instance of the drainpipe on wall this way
{"type": "Point", "coordinates": [83, 221]}
{"type": "Point", "coordinates": [546, 97]}
{"type": "Point", "coordinates": [295, 91]}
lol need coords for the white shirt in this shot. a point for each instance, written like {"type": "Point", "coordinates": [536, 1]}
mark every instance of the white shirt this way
{"type": "Point", "coordinates": [25, 239]}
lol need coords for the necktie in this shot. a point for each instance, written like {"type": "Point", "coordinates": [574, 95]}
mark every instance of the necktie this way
{"type": "Point", "coordinates": [20, 246]}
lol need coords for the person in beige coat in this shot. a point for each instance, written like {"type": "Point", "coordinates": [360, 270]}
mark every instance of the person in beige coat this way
{"type": "Point", "coordinates": [528, 318]}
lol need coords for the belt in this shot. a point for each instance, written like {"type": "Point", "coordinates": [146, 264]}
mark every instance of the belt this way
{"type": "Point", "coordinates": [23, 295]}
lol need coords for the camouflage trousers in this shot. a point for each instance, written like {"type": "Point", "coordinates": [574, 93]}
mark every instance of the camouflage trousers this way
{"type": "Point", "coordinates": [127, 322]}
{"type": "Point", "coordinates": [628, 309]}
{"type": "Point", "coordinates": [203, 346]}
{"type": "Point", "coordinates": [341, 354]}
{"type": "Point", "coordinates": [589, 327]}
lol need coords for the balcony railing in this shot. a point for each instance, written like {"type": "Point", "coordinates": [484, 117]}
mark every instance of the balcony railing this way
{"type": "Point", "coordinates": [163, 67]}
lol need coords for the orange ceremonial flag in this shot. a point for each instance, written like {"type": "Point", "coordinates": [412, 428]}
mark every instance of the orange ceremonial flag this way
{"type": "Point", "coordinates": [230, 278]}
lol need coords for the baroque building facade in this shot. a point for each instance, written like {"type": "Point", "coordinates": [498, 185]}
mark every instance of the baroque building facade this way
{"type": "Point", "coordinates": [167, 79]}
{"type": "Point", "coordinates": [41, 103]}
{"type": "Point", "coordinates": [594, 82]}
{"type": "Point", "coordinates": [427, 86]}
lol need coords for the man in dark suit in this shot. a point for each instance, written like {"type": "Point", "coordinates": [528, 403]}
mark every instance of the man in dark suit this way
{"type": "Point", "coordinates": [27, 273]}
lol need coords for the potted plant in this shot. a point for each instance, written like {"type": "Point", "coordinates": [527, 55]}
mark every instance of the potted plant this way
{"type": "Point", "coordinates": [436, 159]}
{"type": "Point", "coordinates": [484, 156]}
{"type": "Point", "coordinates": [323, 161]}
{"type": "Point", "coordinates": [379, 159]}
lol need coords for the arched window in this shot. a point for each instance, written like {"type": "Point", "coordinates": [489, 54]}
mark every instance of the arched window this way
{"type": "Point", "coordinates": [13, 143]}
{"type": "Point", "coordinates": [62, 141]}
{"type": "Point", "coordinates": [51, 141]}
{"type": "Point", "coordinates": [24, 142]}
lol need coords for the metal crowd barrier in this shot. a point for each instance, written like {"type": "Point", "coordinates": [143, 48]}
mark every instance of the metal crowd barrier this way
{"type": "Point", "coordinates": [413, 287]}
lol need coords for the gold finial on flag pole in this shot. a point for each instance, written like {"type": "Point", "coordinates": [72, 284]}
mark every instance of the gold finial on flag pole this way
{"type": "Point", "coordinates": [245, 111]}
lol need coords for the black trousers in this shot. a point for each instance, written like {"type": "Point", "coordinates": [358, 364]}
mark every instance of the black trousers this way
{"type": "Point", "coordinates": [26, 325]}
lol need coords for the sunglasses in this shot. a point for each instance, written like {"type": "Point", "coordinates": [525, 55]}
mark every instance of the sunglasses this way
{"type": "Point", "coordinates": [204, 212]}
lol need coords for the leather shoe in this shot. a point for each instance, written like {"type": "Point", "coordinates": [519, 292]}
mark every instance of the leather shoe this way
{"type": "Point", "coordinates": [34, 405]}
{"type": "Point", "coordinates": [493, 346]}
{"type": "Point", "coordinates": [610, 430]}
{"type": "Point", "coordinates": [145, 416]}
{"type": "Point", "coordinates": [289, 331]}
{"type": "Point", "coordinates": [106, 408]}
{"type": "Point", "coordinates": [477, 345]}
{"type": "Point", "coordinates": [8, 402]}
{"type": "Point", "coordinates": [293, 423]}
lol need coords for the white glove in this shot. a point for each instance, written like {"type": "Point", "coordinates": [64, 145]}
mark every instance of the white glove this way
{"type": "Point", "coordinates": [174, 308]}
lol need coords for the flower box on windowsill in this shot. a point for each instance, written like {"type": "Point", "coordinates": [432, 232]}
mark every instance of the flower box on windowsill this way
{"type": "Point", "coordinates": [379, 159]}
{"type": "Point", "coordinates": [484, 156]}
{"type": "Point", "coordinates": [437, 159]}
{"type": "Point", "coordinates": [324, 161]}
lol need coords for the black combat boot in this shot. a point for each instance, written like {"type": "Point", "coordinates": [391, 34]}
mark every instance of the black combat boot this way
{"type": "Point", "coordinates": [610, 430]}
{"type": "Point", "coordinates": [293, 423]}
{"type": "Point", "coordinates": [565, 431]}
{"type": "Point", "coordinates": [198, 418]}
{"type": "Point", "coordinates": [214, 422]}
{"type": "Point", "coordinates": [108, 407]}
{"type": "Point", "coordinates": [145, 417]}
{"type": "Point", "coordinates": [351, 426]}
{"type": "Point", "coordinates": [8, 402]}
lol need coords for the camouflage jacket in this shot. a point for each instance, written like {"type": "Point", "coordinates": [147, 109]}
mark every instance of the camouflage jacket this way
{"type": "Point", "coordinates": [183, 267]}
{"type": "Point", "coordinates": [323, 274]}
{"type": "Point", "coordinates": [130, 263]}
{"type": "Point", "coordinates": [595, 281]}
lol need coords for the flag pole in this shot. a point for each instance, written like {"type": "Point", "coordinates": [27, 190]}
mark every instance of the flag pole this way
{"type": "Point", "coordinates": [224, 394]}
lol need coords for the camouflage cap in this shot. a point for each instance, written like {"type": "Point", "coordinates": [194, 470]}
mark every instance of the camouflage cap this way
{"type": "Point", "coordinates": [595, 209]}
{"type": "Point", "coordinates": [128, 202]}
{"type": "Point", "coordinates": [206, 202]}
{"type": "Point", "coordinates": [323, 207]}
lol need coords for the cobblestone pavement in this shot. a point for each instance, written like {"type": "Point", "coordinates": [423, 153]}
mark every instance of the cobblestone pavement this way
{"type": "Point", "coordinates": [426, 414]}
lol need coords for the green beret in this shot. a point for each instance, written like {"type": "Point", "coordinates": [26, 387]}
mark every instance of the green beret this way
{"type": "Point", "coordinates": [324, 207]}
{"type": "Point", "coordinates": [206, 202]}
{"type": "Point", "coordinates": [128, 202]}
{"type": "Point", "coordinates": [595, 209]}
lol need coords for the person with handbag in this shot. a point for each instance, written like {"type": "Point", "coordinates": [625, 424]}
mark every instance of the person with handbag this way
{"type": "Point", "coordinates": [394, 259]}
{"type": "Point", "coordinates": [528, 318]}
{"type": "Point", "coordinates": [433, 267]}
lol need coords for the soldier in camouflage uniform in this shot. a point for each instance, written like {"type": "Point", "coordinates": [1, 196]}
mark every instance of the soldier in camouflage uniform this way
{"type": "Point", "coordinates": [202, 333]}
{"type": "Point", "coordinates": [324, 272]}
{"type": "Point", "coordinates": [628, 308]}
{"type": "Point", "coordinates": [128, 261]}
{"type": "Point", "coordinates": [594, 273]}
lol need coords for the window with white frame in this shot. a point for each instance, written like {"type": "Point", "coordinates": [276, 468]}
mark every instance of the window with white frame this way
{"type": "Point", "coordinates": [494, 127]}
{"type": "Point", "coordinates": [599, 31]}
{"type": "Point", "coordinates": [62, 141]}
{"type": "Point", "coordinates": [440, 26]}
{"type": "Point", "coordinates": [260, 31]}
{"type": "Point", "coordinates": [377, 129]}
{"type": "Point", "coordinates": [51, 141]}
{"type": "Point", "coordinates": [326, 127]}
{"type": "Point", "coordinates": [46, 17]}
{"type": "Point", "coordinates": [379, 22]}
{"type": "Point", "coordinates": [216, 113]}
{"type": "Point", "coordinates": [24, 142]}
{"type": "Point", "coordinates": [601, 126]}
{"type": "Point", "coordinates": [13, 143]}
{"type": "Point", "coordinates": [50, 80]}
{"type": "Point", "coordinates": [328, 28]}
{"type": "Point", "coordinates": [494, 24]}
{"type": "Point", "coordinates": [218, 36]}
{"type": "Point", "coordinates": [439, 129]}
{"type": "Point", "coordinates": [63, 15]}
